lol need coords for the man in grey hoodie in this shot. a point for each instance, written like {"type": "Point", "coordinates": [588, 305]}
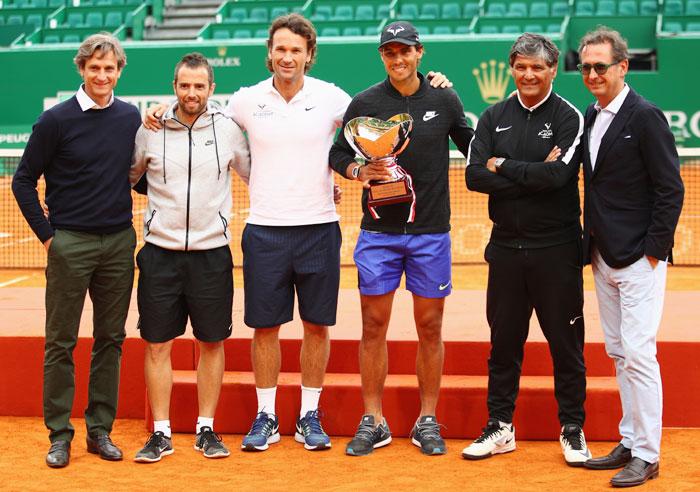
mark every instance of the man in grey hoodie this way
{"type": "Point", "coordinates": [185, 265]}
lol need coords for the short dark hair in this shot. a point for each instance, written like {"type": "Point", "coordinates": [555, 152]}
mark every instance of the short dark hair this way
{"type": "Point", "coordinates": [534, 45]}
{"type": "Point", "coordinates": [299, 25]}
{"type": "Point", "coordinates": [602, 35]}
{"type": "Point", "coordinates": [195, 60]}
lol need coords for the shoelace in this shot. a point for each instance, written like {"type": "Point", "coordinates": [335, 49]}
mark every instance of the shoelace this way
{"type": "Point", "coordinates": [209, 437]}
{"type": "Point", "coordinates": [573, 437]}
{"type": "Point", "coordinates": [155, 440]}
{"type": "Point", "coordinates": [490, 430]}
{"type": "Point", "coordinates": [365, 431]}
{"type": "Point", "coordinates": [311, 423]}
{"type": "Point", "coordinates": [262, 424]}
{"type": "Point", "coordinates": [429, 430]}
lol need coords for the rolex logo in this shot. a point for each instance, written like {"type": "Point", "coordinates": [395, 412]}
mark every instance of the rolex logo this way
{"type": "Point", "coordinates": [492, 79]}
{"type": "Point", "coordinates": [221, 50]}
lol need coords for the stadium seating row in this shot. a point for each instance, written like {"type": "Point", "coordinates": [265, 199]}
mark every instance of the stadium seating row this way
{"type": "Point", "coordinates": [27, 4]}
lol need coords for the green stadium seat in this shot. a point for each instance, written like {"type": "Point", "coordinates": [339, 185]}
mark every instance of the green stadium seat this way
{"type": "Point", "coordinates": [606, 8]}
{"type": "Point", "coordinates": [352, 31]}
{"type": "Point", "coordinates": [408, 11]}
{"type": "Point", "coordinates": [364, 12]}
{"type": "Point", "coordinates": [692, 7]}
{"type": "Point", "coordinates": [450, 11]}
{"type": "Point", "coordinates": [627, 7]}
{"type": "Point", "coordinates": [649, 7]}
{"type": "Point", "coordinates": [113, 19]}
{"type": "Point", "coordinates": [220, 34]}
{"type": "Point", "coordinates": [52, 39]}
{"type": "Point", "coordinates": [94, 19]}
{"type": "Point", "coordinates": [237, 14]}
{"type": "Point", "coordinates": [560, 9]}
{"type": "Point", "coordinates": [242, 34]}
{"type": "Point", "coordinates": [511, 29]}
{"type": "Point", "coordinates": [15, 20]}
{"type": "Point", "coordinates": [429, 11]}
{"type": "Point", "coordinates": [488, 29]}
{"type": "Point", "coordinates": [75, 19]}
{"type": "Point", "coordinates": [462, 29]}
{"type": "Point", "coordinates": [440, 29]}
{"type": "Point", "coordinates": [136, 2]}
{"type": "Point", "coordinates": [517, 9]}
{"type": "Point", "coordinates": [584, 7]}
{"type": "Point", "coordinates": [423, 30]}
{"type": "Point", "coordinates": [496, 9]}
{"type": "Point", "coordinates": [322, 12]}
{"type": "Point", "coordinates": [261, 33]}
{"type": "Point", "coordinates": [71, 38]}
{"type": "Point", "coordinates": [258, 14]}
{"type": "Point", "coordinates": [343, 13]}
{"type": "Point", "coordinates": [692, 27]}
{"type": "Point", "coordinates": [471, 9]}
{"type": "Point", "coordinates": [34, 19]}
{"type": "Point", "coordinates": [673, 7]}
{"type": "Point", "coordinates": [371, 31]}
{"type": "Point", "coordinates": [56, 3]}
{"type": "Point", "coordinates": [674, 27]}
{"type": "Point", "coordinates": [41, 4]}
{"type": "Point", "coordinates": [539, 9]}
{"type": "Point", "coordinates": [277, 12]}
{"type": "Point", "coordinates": [383, 12]}
{"type": "Point", "coordinates": [536, 28]}
{"type": "Point", "coordinates": [330, 31]}
{"type": "Point", "coordinates": [553, 28]}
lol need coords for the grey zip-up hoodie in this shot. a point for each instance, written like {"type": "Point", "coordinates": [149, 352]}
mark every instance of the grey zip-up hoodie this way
{"type": "Point", "coordinates": [189, 179]}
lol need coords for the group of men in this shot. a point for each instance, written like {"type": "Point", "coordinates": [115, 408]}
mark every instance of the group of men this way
{"type": "Point", "coordinates": [525, 153]}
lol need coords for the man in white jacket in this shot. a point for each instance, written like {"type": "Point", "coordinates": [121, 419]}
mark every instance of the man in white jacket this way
{"type": "Point", "coordinates": [186, 266]}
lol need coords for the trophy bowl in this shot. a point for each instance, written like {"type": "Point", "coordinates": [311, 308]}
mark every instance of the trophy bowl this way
{"type": "Point", "coordinates": [378, 140]}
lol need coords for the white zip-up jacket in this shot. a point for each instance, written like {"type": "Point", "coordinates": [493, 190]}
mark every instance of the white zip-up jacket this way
{"type": "Point", "coordinates": [189, 179]}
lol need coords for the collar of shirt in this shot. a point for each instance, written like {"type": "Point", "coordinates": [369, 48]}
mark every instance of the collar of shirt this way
{"type": "Point", "coordinates": [86, 101]}
{"type": "Point", "coordinates": [531, 109]}
{"type": "Point", "coordinates": [303, 92]}
{"type": "Point", "coordinates": [614, 105]}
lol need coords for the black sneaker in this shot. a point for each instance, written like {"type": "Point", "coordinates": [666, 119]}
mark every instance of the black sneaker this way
{"type": "Point", "coordinates": [426, 435]}
{"type": "Point", "coordinates": [368, 437]}
{"type": "Point", "coordinates": [157, 446]}
{"type": "Point", "coordinates": [209, 443]}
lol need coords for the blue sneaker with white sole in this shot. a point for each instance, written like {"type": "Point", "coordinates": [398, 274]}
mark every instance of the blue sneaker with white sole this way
{"type": "Point", "coordinates": [310, 433]}
{"type": "Point", "coordinates": [265, 431]}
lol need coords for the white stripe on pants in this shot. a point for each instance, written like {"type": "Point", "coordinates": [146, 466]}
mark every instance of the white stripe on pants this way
{"type": "Point", "coordinates": [630, 300]}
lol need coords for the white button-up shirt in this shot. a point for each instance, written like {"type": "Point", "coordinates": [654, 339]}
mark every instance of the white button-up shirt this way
{"type": "Point", "coordinates": [603, 121]}
{"type": "Point", "coordinates": [86, 101]}
{"type": "Point", "coordinates": [291, 182]}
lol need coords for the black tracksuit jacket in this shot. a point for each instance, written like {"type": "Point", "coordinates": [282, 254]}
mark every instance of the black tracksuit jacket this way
{"type": "Point", "coordinates": [532, 203]}
{"type": "Point", "coordinates": [437, 114]}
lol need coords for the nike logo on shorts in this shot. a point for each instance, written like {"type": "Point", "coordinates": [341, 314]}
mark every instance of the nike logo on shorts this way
{"type": "Point", "coordinates": [499, 129]}
{"type": "Point", "coordinates": [444, 286]}
{"type": "Point", "coordinates": [572, 321]}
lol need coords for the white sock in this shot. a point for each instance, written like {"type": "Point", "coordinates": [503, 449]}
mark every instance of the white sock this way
{"type": "Point", "coordinates": [266, 399]}
{"type": "Point", "coordinates": [162, 426]}
{"type": "Point", "coordinates": [204, 422]}
{"type": "Point", "coordinates": [309, 400]}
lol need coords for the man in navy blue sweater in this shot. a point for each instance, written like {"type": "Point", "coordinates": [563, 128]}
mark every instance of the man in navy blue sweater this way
{"type": "Point", "coordinates": [83, 147]}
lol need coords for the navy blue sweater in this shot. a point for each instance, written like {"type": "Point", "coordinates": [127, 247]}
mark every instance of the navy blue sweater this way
{"type": "Point", "coordinates": [85, 158]}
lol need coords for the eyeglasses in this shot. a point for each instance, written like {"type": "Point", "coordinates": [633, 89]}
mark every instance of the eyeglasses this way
{"type": "Point", "coordinates": [600, 68]}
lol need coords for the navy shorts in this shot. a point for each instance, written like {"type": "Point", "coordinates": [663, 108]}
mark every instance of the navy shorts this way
{"type": "Point", "coordinates": [278, 259]}
{"type": "Point", "coordinates": [382, 259]}
{"type": "Point", "coordinates": [176, 284]}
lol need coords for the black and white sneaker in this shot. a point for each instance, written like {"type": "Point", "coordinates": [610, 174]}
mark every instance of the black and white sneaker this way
{"type": "Point", "coordinates": [426, 435]}
{"type": "Point", "coordinates": [573, 445]}
{"type": "Point", "coordinates": [497, 438]}
{"type": "Point", "coordinates": [210, 444]}
{"type": "Point", "coordinates": [157, 446]}
{"type": "Point", "coordinates": [368, 437]}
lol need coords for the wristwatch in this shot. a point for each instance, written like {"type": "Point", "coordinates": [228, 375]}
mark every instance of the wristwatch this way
{"type": "Point", "coordinates": [356, 171]}
{"type": "Point", "coordinates": [497, 163]}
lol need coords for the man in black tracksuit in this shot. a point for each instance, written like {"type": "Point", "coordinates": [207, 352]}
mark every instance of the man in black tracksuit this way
{"type": "Point", "coordinates": [407, 238]}
{"type": "Point", "coordinates": [525, 155]}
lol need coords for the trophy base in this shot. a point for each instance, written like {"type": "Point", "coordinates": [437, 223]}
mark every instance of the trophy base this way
{"type": "Point", "coordinates": [389, 193]}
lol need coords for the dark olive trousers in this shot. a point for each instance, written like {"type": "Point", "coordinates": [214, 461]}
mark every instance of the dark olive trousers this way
{"type": "Point", "coordinates": [78, 263]}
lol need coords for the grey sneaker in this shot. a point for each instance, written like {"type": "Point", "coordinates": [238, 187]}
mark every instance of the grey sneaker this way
{"type": "Point", "coordinates": [209, 443]}
{"type": "Point", "coordinates": [368, 437]}
{"type": "Point", "coordinates": [426, 435]}
{"type": "Point", "coordinates": [157, 446]}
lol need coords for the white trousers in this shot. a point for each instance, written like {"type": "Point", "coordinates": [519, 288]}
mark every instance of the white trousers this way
{"type": "Point", "coordinates": [630, 301]}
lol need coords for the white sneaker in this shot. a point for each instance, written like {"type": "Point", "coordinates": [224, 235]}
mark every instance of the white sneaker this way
{"type": "Point", "coordinates": [573, 445]}
{"type": "Point", "coordinates": [497, 438]}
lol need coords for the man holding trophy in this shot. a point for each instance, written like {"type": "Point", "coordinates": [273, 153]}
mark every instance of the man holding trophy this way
{"type": "Point", "coordinates": [401, 127]}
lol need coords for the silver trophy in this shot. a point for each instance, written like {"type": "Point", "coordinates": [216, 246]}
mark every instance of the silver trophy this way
{"type": "Point", "coordinates": [379, 140]}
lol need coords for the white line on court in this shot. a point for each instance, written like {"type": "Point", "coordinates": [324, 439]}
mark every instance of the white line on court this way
{"type": "Point", "coordinates": [13, 281]}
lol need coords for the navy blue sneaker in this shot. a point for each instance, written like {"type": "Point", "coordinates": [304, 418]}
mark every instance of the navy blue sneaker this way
{"type": "Point", "coordinates": [265, 431]}
{"type": "Point", "coordinates": [310, 432]}
{"type": "Point", "coordinates": [426, 435]}
{"type": "Point", "coordinates": [368, 437]}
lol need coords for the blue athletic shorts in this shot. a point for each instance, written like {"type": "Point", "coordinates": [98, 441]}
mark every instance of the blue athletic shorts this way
{"type": "Point", "coordinates": [382, 259]}
{"type": "Point", "coordinates": [277, 259]}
